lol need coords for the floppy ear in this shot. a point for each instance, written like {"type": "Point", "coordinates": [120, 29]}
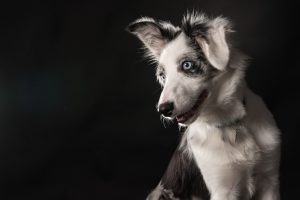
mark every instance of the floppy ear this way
{"type": "Point", "coordinates": [150, 33]}
{"type": "Point", "coordinates": [214, 44]}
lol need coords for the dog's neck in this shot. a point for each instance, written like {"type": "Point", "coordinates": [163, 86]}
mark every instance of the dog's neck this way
{"type": "Point", "coordinates": [229, 114]}
{"type": "Point", "coordinates": [224, 114]}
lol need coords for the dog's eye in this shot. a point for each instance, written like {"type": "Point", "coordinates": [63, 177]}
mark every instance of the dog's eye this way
{"type": "Point", "coordinates": [189, 66]}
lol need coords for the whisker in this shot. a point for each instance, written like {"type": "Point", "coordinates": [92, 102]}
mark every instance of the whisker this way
{"type": "Point", "coordinates": [166, 121]}
{"type": "Point", "coordinates": [162, 119]}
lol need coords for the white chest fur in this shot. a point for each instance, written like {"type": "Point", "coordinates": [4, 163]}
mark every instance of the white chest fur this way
{"type": "Point", "coordinates": [225, 156]}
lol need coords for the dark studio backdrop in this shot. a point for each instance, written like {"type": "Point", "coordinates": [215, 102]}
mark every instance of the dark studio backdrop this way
{"type": "Point", "coordinates": [77, 101]}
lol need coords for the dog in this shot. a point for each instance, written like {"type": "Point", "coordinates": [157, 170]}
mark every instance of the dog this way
{"type": "Point", "coordinates": [230, 146]}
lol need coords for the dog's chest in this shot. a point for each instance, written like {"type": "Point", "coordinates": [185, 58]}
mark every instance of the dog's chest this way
{"type": "Point", "coordinates": [214, 146]}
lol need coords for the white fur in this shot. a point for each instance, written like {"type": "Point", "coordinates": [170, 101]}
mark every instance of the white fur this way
{"type": "Point", "coordinates": [177, 87]}
{"type": "Point", "coordinates": [227, 161]}
{"type": "Point", "coordinates": [237, 161]}
{"type": "Point", "coordinates": [215, 46]}
{"type": "Point", "coordinates": [227, 165]}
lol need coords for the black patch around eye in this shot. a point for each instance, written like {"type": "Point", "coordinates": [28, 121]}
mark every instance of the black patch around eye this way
{"type": "Point", "coordinates": [195, 70]}
{"type": "Point", "coordinates": [202, 62]}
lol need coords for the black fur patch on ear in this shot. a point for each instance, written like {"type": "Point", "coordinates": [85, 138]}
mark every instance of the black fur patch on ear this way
{"type": "Point", "coordinates": [195, 24]}
{"type": "Point", "coordinates": [169, 33]}
{"type": "Point", "coordinates": [193, 30]}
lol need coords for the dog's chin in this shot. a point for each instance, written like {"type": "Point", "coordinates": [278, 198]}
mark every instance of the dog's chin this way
{"type": "Point", "coordinates": [191, 115]}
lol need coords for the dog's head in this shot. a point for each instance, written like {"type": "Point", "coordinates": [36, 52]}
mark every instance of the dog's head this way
{"type": "Point", "coordinates": [188, 59]}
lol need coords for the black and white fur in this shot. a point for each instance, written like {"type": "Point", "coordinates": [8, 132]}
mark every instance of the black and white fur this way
{"type": "Point", "coordinates": [230, 149]}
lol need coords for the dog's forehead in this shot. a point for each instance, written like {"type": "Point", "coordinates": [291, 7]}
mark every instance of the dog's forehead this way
{"type": "Point", "coordinates": [174, 50]}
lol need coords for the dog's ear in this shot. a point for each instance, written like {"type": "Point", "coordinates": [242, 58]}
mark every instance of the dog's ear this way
{"type": "Point", "coordinates": [153, 34]}
{"type": "Point", "coordinates": [214, 45]}
{"type": "Point", "coordinates": [211, 35]}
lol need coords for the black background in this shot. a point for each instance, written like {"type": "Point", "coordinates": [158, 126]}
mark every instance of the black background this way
{"type": "Point", "coordinates": [77, 101]}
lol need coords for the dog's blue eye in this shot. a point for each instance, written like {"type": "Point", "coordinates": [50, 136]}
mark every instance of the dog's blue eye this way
{"type": "Point", "coordinates": [188, 66]}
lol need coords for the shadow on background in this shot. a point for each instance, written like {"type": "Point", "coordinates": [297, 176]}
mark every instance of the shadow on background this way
{"type": "Point", "coordinates": [77, 102]}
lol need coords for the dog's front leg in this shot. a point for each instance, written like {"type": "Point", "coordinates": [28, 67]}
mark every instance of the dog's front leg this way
{"type": "Point", "coordinates": [227, 182]}
{"type": "Point", "coordinates": [271, 193]}
{"type": "Point", "coordinates": [160, 193]}
{"type": "Point", "coordinates": [268, 189]}
{"type": "Point", "coordinates": [182, 180]}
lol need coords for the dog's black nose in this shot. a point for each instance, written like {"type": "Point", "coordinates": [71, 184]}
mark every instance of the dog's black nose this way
{"type": "Point", "coordinates": [166, 109]}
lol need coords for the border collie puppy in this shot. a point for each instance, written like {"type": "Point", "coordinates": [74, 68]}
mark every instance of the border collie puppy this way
{"type": "Point", "coordinates": [230, 148]}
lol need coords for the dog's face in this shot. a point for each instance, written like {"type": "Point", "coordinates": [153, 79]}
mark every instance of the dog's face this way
{"type": "Point", "coordinates": [184, 73]}
{"type": "Point", "coordinates": [187, 59]}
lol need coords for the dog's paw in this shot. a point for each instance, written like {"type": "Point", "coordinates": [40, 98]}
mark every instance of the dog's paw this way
{"type": "Point", "coordinates": [159, 193]}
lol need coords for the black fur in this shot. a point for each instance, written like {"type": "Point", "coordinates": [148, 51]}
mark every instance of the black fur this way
{"type": "Point", "coordinates": [207, 68]}
{"type": "Point", "coordinates": [193, 29]}
{"type": "Point", "coordinates": [183, 177]}
{"type": "Point", "coordinates": [168, 33]}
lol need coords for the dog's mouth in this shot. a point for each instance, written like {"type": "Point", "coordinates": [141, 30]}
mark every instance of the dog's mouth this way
{"type": "Point", "coordinates": [189, 114]}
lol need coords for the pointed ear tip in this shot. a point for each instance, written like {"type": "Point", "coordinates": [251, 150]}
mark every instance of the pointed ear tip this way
{"type": "Point", "coordinates": [135, 25]}
{"type": "Point", "coordinates": [131, 28]}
